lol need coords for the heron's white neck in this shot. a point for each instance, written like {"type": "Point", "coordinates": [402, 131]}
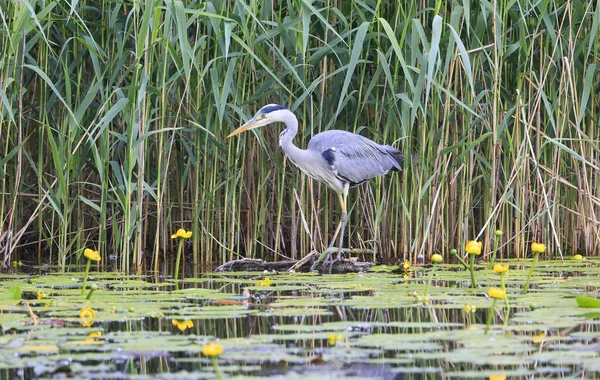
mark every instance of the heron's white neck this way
{"type": "Point", "coordinates": [286, 138]}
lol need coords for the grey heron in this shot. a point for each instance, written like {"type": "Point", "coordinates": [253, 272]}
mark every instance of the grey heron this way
{"type": "Point", "coordinates": [339, 159]}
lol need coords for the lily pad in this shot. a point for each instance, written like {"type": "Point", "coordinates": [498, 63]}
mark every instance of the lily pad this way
{"type": "Point", "coordinates": [588, 302]}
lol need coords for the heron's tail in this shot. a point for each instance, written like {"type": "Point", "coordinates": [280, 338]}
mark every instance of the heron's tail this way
{"type": "Point", "coordinates": [397, 156]}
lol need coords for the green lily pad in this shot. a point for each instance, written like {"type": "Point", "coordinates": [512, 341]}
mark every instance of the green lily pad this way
{"type": "Point", "coordinates": [588, 302]}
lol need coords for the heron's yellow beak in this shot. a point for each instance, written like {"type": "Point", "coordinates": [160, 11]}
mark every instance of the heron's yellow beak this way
{"type": "Point", "coordinates": [251, 124]}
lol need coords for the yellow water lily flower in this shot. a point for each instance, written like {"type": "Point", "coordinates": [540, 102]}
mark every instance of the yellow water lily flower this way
{"type": "Point", "coordinates": [470, 308]}
{"type": "Point", "coordinates": [577, 257]}
{"type": "Point", "coordinates": [437, 258]}
{"type": "Point", "coordinates": [265, 282]}
{"type": "Point", "coordinates": [499, 268]}
{"type": "Point", "coordinates": [473, 247]}
{"type": "Point", "coordinates": [93, 337]}
{"type": "Point", "coordinates": [50, 303]}
{"type": "Point", "coordinates": [183, 325]}
{"type": "Point", "coordinates": [40, 294]}
{"type": "Point", "coordinates": [539, 337]}
{"type": "Point", "coordinates": [91, 254]}
{"type": "Point", "coordinates": [87, 314]}
{"type": "Point", "coordinates": [538, 247]}
{"type": "Point", "coordinates": [211, 349]}
{"type": "Point", "coordinates": [405, 266]}
{"type": "Point", "coordinates": [182, 234]}
{"type": "Point", "coordinates": [497, 293]}
{"type": "Point", "coordinates": [498, 377]}
{"type": "Point", "coordinates": [333, 339]}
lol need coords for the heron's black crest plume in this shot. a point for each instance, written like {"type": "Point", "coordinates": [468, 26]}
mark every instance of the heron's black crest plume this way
{"type": "Point", "coordinates": [270, 108]}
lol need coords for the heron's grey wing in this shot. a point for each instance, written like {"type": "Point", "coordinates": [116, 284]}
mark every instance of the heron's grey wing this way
{"type": "Point", "coordinates": [354, 158]}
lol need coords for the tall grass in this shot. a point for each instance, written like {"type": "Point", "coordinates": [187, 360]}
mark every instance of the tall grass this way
{"type": "Point", "coordinates": [113, 117]}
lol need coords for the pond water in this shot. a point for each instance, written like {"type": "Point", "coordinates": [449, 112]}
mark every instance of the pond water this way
{"type": "Point", "coordinates": [378, 325]}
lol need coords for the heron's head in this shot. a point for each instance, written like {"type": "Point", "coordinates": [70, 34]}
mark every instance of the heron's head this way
{"type": "Point", "coordinates": [270, 113]}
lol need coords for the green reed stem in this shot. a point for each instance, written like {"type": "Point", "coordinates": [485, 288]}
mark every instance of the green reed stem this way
{"type": "Point", "coordinates": [430, 279]}
{"type": "Point", "coordinates": [85, 276]}
{"type": "Point", "coordinates": [472, 269]}
{"type": "Point", "coordinates": [215, 364]}
{"type": "Point", "coordinates": [535, 259]}
{"type": "Point", "coordinates": [93, 288]}
{"type": "Point", "coordinates": [490, 316]}
{"type": "Point", "coordinates": [493, 259]}
{"type": "Point", "coordinates": [454, 253]}
{"type": "Point", "coordinates": [179, 249]}
{"type": "Point", "coordinates": [505, 299]}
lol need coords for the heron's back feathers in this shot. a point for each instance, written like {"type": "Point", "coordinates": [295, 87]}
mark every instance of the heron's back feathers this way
{"type": "Point", "coordinates": [352, 158]}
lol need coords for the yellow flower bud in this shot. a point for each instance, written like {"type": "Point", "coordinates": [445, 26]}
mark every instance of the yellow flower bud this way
{"type": "Point", "coordinates": [437, 258]}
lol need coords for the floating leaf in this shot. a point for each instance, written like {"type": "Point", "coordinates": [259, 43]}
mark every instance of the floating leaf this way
{"type": "Point", "coordinates": [13, 294]}
{"type": "Point", "coordinates": [587, 302]}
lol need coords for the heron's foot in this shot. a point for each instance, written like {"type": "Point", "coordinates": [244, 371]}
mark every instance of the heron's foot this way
{"type": "Point", "coordinates": [327, 257]}
{"type": "Point", "coordinates": [323, 258]}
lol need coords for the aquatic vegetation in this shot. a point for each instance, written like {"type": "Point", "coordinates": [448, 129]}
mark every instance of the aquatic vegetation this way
{"type": "Point", "coordinates": [93, 288]}
{"type": "Point", "coordinates": [495, 294]}
{"type": "Point", "coordinates": [405, 266]}
{"type": "Point", "coordinates": [436, 259]}
{"type": "Point", "coordinates": [470, 308]}
{"type": "Point", "coordinates": [213, 350]}
{"type": "Point", "coordinates": [454, 252]}
{"type": "Point", "coordinates": [265, 282]}
{"type": "Point", "coordinates": [497, 236]}
{"type": "Point", "coordinates": [87, 314]}
{"type": "Point", "coordinates": [335, 339]}
{"type": "Point", "coordinates": [578, 257]}
{"type": "Point", "coordinates": [473, 248]}
{"type": "Point", "coordinates": [182, 325]}
{"type": "Point", "coordinates": [181, 234]}
{"type": "Point", "coordinates": [537, 248]}
{"type": "Point", "coordinates": [90, 255]}
{"type": "Point", "coordinates": [502, 270]}
{"type": "Point", "coordinates": [381, 321]}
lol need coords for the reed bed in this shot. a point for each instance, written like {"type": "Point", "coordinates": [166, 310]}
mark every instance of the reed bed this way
{"type": "Point", "coordinates": [113, 117]}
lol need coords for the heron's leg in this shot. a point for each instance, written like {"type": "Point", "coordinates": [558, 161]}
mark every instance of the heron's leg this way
{"type": "Point", "coordinates": [343, 199]}
{"type": "Point", "coordinates": [335, 234]}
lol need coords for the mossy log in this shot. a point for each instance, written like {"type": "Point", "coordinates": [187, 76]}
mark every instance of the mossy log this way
{"type": "Point", "coordinates": [306, 264]}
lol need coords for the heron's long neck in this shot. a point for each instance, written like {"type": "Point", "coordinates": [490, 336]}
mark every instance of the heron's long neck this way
{"type": "Point", "coordinates": [286, 138]}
